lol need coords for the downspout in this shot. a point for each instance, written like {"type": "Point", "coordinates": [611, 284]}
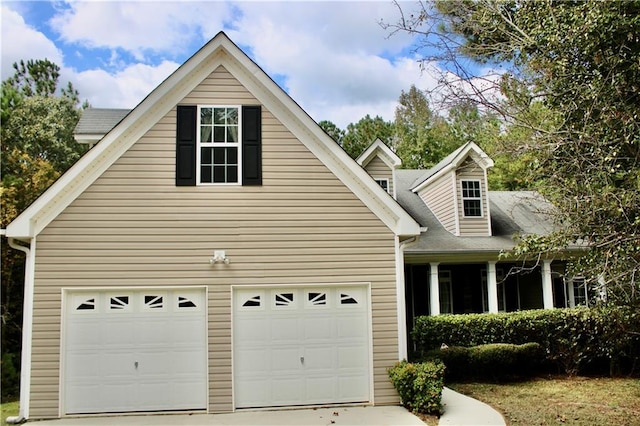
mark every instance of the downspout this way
{"type": "Point", "coordinates": [27, 329]}
{"type": "Point", "coordinates": [400, 295]}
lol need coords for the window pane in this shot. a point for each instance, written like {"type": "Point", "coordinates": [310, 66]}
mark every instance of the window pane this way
{"type": "Point", "coordinates": [472, 208]}
{"type": "Point", "coordinates": [232, 174]}
{"type": "Point", "coordinates": [220, 116]}
{"type": "Point", "coordinates": [219, 134]}
{"type": "Point", "coordinates": [205, 174]}
{"type": "Point", "coordinates": [232, 116]}
{"type": "Point", "coordinates": [232, 134]}
{"type": "Point", "coordinates": [218, 156]}
{"type": "Point", "coordinates": [219, 174]}
{"type": "Point", "coordinates": [205, 133]}
{"type": "Point", "coordinates": [232, 156]}
{"type": "Point", "coordinates": [205, 155]}
{"type": "Point", "coordinates": [205, 115]}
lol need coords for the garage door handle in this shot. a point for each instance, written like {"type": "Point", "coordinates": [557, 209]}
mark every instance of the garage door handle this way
{"type": "Point", "coordinates": [301, 360]}
{"type": "Point", "coordinates": [135, 364]}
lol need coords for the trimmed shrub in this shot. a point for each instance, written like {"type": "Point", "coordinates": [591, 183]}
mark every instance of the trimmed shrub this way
{"type": "Point", "coordinates": [494, 361]}
{"type": "Point", "coordinates": [601, 340]}
{"type": "Point", "coordinates": [419, 385]}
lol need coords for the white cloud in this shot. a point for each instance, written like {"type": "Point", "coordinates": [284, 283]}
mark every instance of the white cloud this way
{"type": "Point", "coordinates": [21, 41]}
{"type": "Point", "coordinates": [165, 27]}
{"type": "Point", "coordinates": [333, 57]}
{"type": "Point", "coordinates": [124, 89]}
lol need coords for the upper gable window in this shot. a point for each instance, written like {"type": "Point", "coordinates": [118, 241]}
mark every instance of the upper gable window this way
{"type": "Point", "coordinates": [219, 150]}
{"type": "Point", "coordinates": [218, 145]}
{"type": "Point", "coordinates": [471, 198]}
{"type": "Point", "coordinates": [384, 183]}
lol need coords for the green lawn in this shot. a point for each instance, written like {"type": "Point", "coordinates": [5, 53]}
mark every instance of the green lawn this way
{"type": "Point", "coordinates": [575, 401]}
{"type": "Point", "coordinates": [8, 409]}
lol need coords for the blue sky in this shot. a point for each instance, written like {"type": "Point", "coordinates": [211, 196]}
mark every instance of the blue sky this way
{"type": "Point", "coordinates": [332, 57]}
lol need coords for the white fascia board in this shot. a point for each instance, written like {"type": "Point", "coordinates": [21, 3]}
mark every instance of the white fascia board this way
{"type": "Point", "coordinates": [285, 109]}
{"type": "Point", "coordinates": [427, 181]}
{"type": "Point", "coordinates": [88, 139]}
{"type": "Point", "coordinates": [97, 160]}
{"type": "Point", "coordinates": [472, 149]}
{"type": "Point", "coordinates": [381, 150]}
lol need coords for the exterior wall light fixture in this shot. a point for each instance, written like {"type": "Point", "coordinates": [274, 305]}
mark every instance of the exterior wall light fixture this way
{"type": "Point", "coordinates": [219, 256]}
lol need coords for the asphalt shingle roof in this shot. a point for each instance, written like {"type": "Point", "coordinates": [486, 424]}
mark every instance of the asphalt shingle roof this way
{"type": "Point", "coordinates": [99, 121]}
{"type": "Point", "coordinates": [512, 212]}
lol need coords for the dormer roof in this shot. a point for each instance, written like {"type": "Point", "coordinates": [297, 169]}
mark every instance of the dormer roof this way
{"type": "Point", "coordinates": [451, 162]}
{"type": "Point", "coordinates": [382, 151]}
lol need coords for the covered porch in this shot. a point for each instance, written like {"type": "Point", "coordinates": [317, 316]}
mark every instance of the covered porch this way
{"type": "Point", "coordinates": [443, 287]}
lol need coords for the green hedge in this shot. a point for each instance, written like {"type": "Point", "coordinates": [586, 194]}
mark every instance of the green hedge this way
{"type": "Point", "coordinates": [494, 361]}
{"type": "Point", "coordinates": [419, 385]}
{"type": "Point", "coordinates": [602, 340]}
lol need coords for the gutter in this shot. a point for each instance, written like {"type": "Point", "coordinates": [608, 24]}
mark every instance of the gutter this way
{"type": "Point", "coordinates": [27, 330]}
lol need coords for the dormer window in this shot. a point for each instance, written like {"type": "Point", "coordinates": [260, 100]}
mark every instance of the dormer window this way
{"type": "Point", "coordinates": [471, 198]}
{"type": "Point", "coordinates": [384, 183]}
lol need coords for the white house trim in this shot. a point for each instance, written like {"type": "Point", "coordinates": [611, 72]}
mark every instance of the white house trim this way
{"type": "Point", "coordinates": [454, 160]}
{"type": "Point", "coordinates": [385, 154]}
{"type": "Point", "coordinates": [219, 51]}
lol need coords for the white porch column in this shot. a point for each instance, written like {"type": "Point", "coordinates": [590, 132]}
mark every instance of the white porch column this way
{"type": "Point", "coordinates": [434, 289]}
{"type": "Point", "coordinates": [547, 284]}
{"type": "Point", "coordinates": [492, 287]}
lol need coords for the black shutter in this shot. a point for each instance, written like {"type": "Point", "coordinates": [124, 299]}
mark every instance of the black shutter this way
{"type": "Point", "coordinates": [252, 145]}
{"type": "Point", "coordinates": [186, 146]}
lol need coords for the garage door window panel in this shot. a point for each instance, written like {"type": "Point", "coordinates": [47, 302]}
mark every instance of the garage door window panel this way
{"type": "Point", "coordinates": [284, 300]}
{"type": "Point", "coordinates": [154, 302]}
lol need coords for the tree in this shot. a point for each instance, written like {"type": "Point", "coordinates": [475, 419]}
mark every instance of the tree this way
{"type": "Point", "coordinates": [422, 136]}
{"type": "Point", "coordinates": [332, 130]}
{"type": "Point", "coordinates": [360, 135]}
{"type": "Point", "coordinates": [567, 75]}
{"type": "Point", "coordinates": [37, 146]}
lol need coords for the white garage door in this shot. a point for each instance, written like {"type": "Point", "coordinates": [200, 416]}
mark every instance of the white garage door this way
{"type": "Point", "coordinates": [142, 350]}
{"type": "Point", "coordinates": [301, 346]}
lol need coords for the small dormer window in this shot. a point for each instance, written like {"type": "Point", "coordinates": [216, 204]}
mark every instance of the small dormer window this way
{"type": "Point", "coordinates": [471, 198]}
{"type": "Point", "coordinates": [384, 183]}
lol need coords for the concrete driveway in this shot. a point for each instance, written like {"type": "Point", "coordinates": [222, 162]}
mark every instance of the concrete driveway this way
{"type": "Point", "coordinates": [356, 415]}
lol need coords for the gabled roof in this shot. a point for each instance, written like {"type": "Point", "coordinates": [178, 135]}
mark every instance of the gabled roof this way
{"type": "Point", "coordinates": [380, 149]}
{"type": "Point", "coordinates": [512, 213]}
{"type": "Point", "coordinates": [220, 51]}
{"type": "Point", "coordinates": [453, 161]}
{"type": "Point", "coordinates": [94, 123]}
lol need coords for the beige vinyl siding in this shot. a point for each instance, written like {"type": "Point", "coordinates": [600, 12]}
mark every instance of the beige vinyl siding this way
{"type": "Point", "coordinates": [439, 197]}
{"type": "Point", "coordinates": [378, 169]}
{"type": "Point", "coordinates": [134, 227]}
{"type": "Point", "coordinates": [472, 226]}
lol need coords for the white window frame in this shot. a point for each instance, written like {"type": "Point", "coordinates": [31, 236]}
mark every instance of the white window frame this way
{"type": "Point", "coordinates": [469, 198]}
{"type": "Point", "coordinates": [200, 145]}
{"type": "Point", "coordinates": [380, 181]}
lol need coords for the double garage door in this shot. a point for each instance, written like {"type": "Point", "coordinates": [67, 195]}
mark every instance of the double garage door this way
{"type": "Point", "coordinates": [146, 350]}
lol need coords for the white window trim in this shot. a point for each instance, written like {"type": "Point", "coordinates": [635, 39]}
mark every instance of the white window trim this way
{"type": "Point", "coordinates": [471, 198]}
{"type": "Point", "coordinates": [379, 180]}
{"type": "Point", "coordinates": [199, 146]}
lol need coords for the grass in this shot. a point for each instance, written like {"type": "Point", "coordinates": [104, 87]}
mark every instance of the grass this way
{"type": "Point", "coordinates": [575, 401]}
{"type": "Point", "coordinates": [8, 409]}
